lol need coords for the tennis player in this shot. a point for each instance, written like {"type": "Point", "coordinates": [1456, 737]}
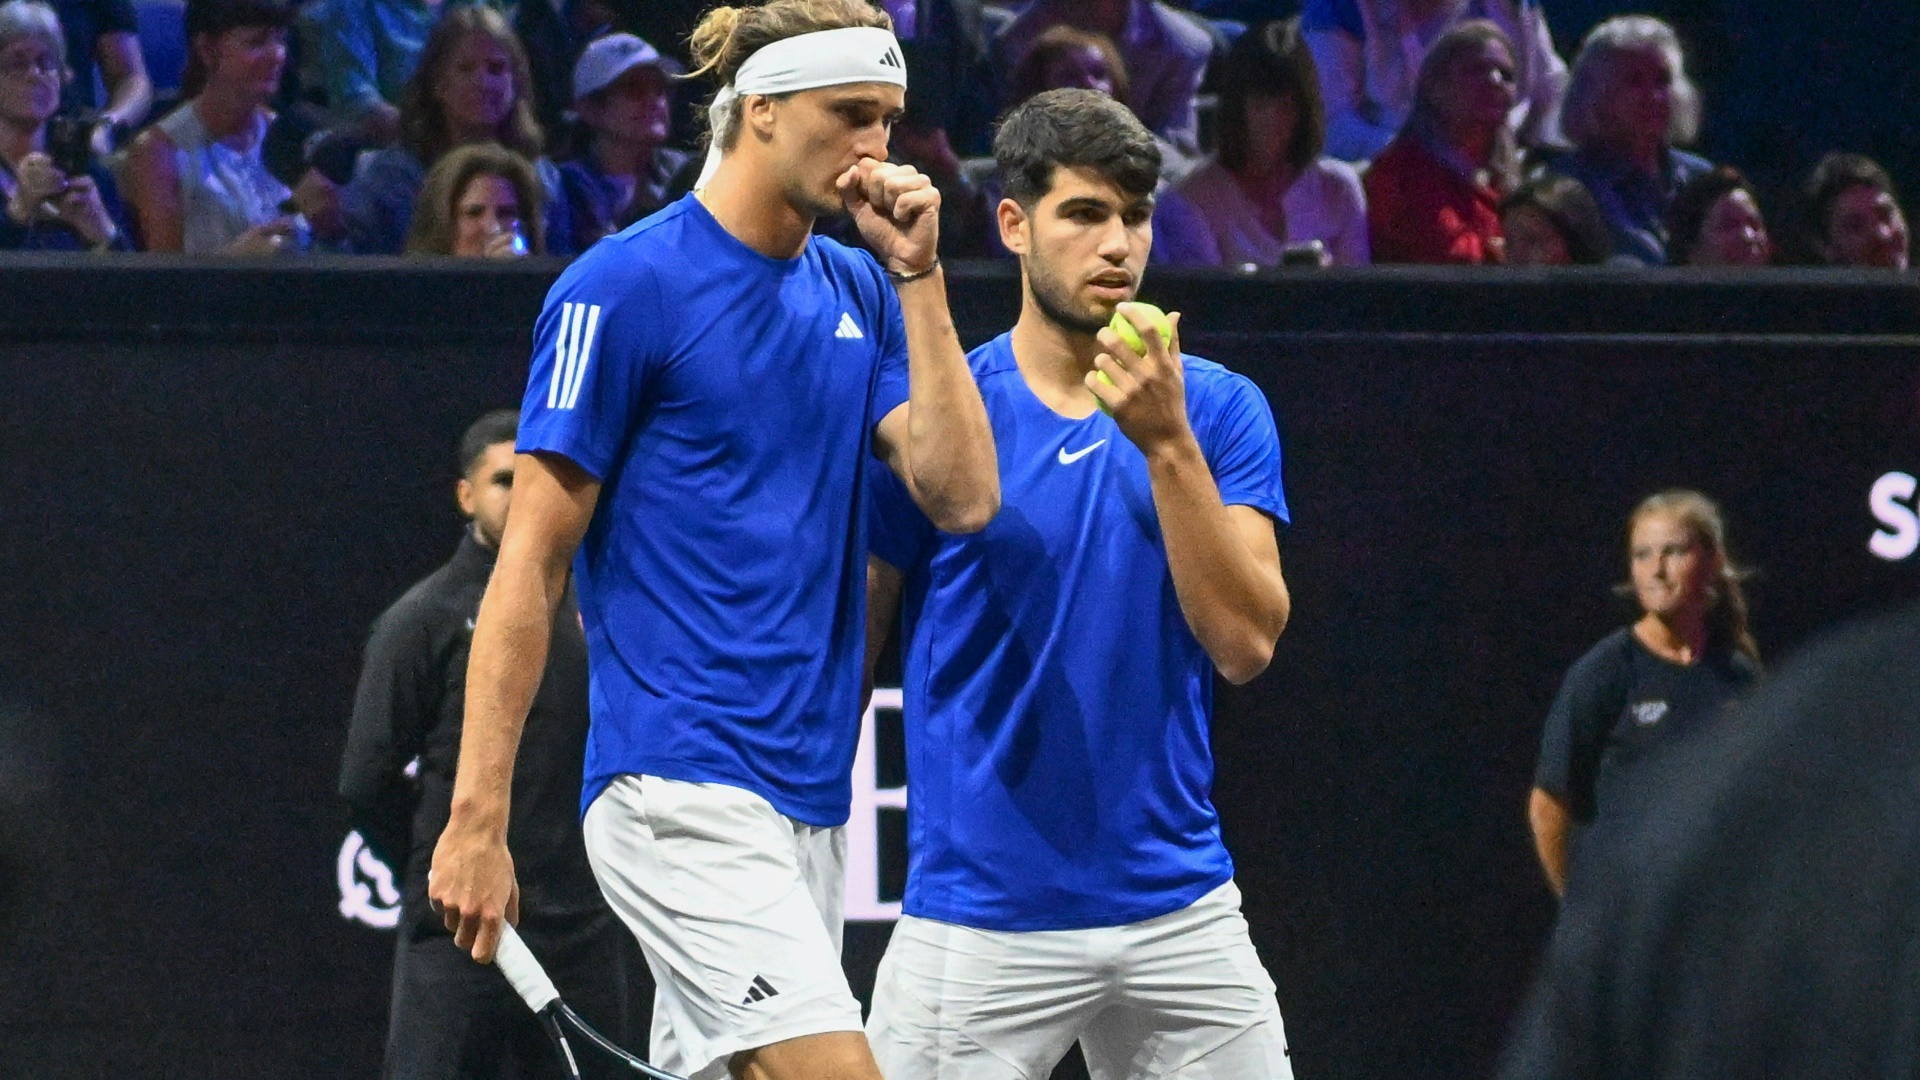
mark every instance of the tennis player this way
{"type": "Point", "coordinates": [1067, 877]}
{"type": "Point", "coordinates": [706, 389]}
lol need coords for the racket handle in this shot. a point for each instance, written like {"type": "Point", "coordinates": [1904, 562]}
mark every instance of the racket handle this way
{"type": "Point", "coordinates": [529, 979]}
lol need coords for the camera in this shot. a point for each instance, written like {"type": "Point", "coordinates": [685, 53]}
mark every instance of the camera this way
{"type": "Point", "coordinates": [70, 142]}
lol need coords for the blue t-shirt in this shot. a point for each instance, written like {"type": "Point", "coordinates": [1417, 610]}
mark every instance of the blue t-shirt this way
{"type": "Point", "coordinates": [1057, 704]}
{"type": "Point", "coordinates": [725, 401]}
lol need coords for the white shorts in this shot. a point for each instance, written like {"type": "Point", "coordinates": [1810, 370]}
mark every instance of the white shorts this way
{"type": "Point", "coordinates": [1183, 995]}
{"type": "Point", "coordinates": [738, 910]}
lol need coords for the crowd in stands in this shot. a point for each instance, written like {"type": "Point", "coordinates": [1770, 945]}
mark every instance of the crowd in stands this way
{"type": "Point", "coordinates": [1328, 132]}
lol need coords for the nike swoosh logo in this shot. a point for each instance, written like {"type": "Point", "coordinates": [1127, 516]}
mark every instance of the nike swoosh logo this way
{"type": "Point", "coordinates": [1068, 459]}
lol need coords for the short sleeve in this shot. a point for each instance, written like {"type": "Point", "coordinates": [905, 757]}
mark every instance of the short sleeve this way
{"type": "Point", "coordinates": [890, 383]}
{"type": "Point", "coordinates": [898, 534]}
{"type": "Point", "coordinates": [1583, 713]}
{"type": "Point", "coordinates": [1244, 448]}
{"type": "Point", "coordinates": [593, 348]}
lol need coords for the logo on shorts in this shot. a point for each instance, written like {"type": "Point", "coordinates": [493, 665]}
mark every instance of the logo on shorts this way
{"type": "Point", "coordinates": [761, 990]}
{"type": "Point", "coordinates": [1649, 713]}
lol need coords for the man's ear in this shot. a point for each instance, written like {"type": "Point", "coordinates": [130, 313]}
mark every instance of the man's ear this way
{"type": "Point", "coordinates": [463, 495]}
{"type": "Point", "coordinates": [1015, 226]}
{"type": "Point", "coordinates": [757, 113]}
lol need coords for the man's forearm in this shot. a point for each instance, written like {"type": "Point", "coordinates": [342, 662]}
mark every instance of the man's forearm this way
{"type": "Point", "coordinates": [130, 101]}
{"type": "Point", "coordinates": [1235, 605]}
{"type": "Point", "coordinates": [954, 473]}
{"type": "Point", "coordinates": [511, 636]}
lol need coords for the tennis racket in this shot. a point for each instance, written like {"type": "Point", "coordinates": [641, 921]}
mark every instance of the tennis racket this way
{"type": "Point", "coordinates": [530, 981]}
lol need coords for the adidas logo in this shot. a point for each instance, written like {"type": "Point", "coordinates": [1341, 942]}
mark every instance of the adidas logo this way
{"type": "Point", "coordinates": [761, 990]}
{"type": "Point", "coordinates": [892, 59]}
{"type": "Point", "coordinates": [848, 331]}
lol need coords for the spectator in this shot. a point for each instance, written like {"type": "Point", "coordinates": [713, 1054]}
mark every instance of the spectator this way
{"type": "Point", "coordinates": [1268, 188]}
{"type": "Point", "coordinates": [1063, 57]}
{"type": "Point", "coordinates": [1553, 221]}
{"type": "Point", "coordinates": [480, 200]}
{"type": "Point", "coordinates": [625, 104]}
{"type": "Point", "coordinates": [471, 87]}
{"type": "Point", "coordinates": [1433, 196]}
{"type": "Point", "coordinates": [1629, 104]}
{"type": "Point", "coordinates": [198, 181]}
{"type": "Point", "coordinates": [1715, 221]}
{"type": "Point", "coordinates": [1856, 214]}
{"type": "Point", "coordinates": [103, 47]}
{"type": "Point", "coordinates": [1369, 54]}
{"type": "Point", "coordinates": [47, 209]}
{"type": "Point", "coordinates": [1165, 50]}
{"type": "Point", "coordinates": [368, 50]}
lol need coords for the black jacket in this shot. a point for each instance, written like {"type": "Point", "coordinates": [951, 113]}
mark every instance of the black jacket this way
{"type": "Point", "coordinates": [410, 705]}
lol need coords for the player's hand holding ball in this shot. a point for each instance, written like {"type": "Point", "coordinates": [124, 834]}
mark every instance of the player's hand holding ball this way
{"type": "Point", "coordinates": [897, 209]}
{"type": "Point", "coordinates": [1139, 380]}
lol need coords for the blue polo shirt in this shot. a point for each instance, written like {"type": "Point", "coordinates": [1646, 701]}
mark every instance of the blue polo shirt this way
{"type": "Point", "coordinates": [726, 402]}
{"type": "Point", "coordinates": [1057, 705]}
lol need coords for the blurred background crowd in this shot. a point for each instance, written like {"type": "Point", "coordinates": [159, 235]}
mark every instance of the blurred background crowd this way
{"type": "Point", "coordinates": [1296, 132]}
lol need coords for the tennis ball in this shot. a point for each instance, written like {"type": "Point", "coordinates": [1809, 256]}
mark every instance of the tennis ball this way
{"type": "Point", "coordinates": [1120, 325]}
{"type": "Point", "coordinates": [1102, 376]}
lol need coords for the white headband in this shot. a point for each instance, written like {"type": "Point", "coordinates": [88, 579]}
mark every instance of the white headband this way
{"type": "Point", "coordinates": [851, 54]}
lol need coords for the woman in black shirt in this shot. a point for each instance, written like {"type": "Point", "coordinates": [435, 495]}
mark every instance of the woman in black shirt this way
{"type": "Point", "coordinates": [1645, 685]}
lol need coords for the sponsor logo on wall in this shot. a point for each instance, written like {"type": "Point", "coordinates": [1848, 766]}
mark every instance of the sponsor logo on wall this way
{"type": "Point", "coordinates": [1895, 508]}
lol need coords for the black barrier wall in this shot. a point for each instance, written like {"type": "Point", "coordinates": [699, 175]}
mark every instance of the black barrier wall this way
{"type": "Point", "coordinates": [215, 477]}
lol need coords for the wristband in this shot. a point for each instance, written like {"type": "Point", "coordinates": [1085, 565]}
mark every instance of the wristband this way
{"type": "Point", "coordinates": [902, 279]}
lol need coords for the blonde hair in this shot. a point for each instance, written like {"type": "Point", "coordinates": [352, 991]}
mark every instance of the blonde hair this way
{"type": "Point", "coordinates": [1459, 40]}
{"type": "Point", "coordinates": [1593, 78]}
{"type": "Point", "coordinates": [1707, 526]}
{"type": "Point", "coordinates": [726, 36]}
{"type": "Point", "coordinates": [436, 209]}
{"type": "Point", "coordinates": [424, 129]}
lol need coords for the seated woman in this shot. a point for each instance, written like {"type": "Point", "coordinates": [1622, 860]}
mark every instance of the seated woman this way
{"type": "Point", "coordinates": [197, 179]}
{"type": "Point", "coordinates": [1064, 56]}
{"type": "Point", "coordinates": [473, 85]}
{"type": "Point", "coordinates": [47, 209]}
{"type": "Point", "coordinates": [1553, 221]}
{"type": "Point", "coordinates": [624, 98]}
{"type": "Point", "coordinates": [1433, 195]}
{"type": "Point", "coordinates": [1269, 188]}
{"type": "Point", "coordinates": [1715, 221]}
{"type": "Point", "coordinates": [1629, 104]}
{"type": "Point", "coordinates": [479, 201]}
